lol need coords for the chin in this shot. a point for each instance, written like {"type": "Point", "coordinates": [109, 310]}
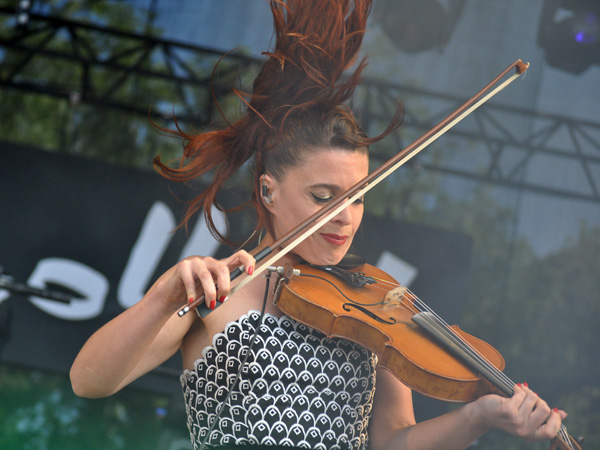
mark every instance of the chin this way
{"type": "Point", "coordinates": [327, 258]}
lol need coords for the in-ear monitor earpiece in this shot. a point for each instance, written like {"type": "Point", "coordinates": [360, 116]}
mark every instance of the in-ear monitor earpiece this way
{"type": "Point", "coordinates": [265, 192]}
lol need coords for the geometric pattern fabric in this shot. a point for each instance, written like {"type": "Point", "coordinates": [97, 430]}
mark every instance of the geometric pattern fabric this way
{"type": "Point", "coordinates": [298, 388]}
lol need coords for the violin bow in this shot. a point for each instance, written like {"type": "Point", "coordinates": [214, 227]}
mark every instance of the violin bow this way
{"type": "Point", "coordinates": [298, 234]}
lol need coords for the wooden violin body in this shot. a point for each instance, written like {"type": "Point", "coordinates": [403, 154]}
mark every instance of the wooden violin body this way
{"type": "Point", "coordinates": [385, 326]}
{"type": "Point", "coordinates": [371, 309]}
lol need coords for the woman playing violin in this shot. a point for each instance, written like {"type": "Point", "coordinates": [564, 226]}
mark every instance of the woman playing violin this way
{"type": "Point", "coordinates": [264, 380]}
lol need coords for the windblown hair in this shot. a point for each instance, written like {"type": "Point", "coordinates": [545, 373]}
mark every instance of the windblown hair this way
{"type": "Point", "coordinates": [297, 104]}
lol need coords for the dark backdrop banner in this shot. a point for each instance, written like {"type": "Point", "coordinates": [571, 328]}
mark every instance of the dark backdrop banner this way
{"type": "Point", "coordinates": [102, 233]}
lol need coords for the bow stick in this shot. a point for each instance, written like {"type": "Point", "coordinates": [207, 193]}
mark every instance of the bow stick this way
{"type": "Point", "coordinates": [295, 236]}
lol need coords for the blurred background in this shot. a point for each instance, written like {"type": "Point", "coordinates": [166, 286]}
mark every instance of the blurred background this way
{"type": "Point", "coordinates": [497, 224]}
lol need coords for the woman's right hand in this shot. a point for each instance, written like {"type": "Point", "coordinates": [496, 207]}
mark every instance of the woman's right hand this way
{"type": "Point", "coordinates": [196, 275]}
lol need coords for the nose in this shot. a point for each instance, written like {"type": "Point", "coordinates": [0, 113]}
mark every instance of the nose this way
{"type": "Point", "coordinates": [345, 216]}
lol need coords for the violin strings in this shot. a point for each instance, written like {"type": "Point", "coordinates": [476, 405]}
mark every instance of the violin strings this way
{"type": "Point", "coordinates": [421, 306]}
{"type": "Point", "coordinates": [501, 377]}
{"type": "Point", "coordinates": [565, 436]}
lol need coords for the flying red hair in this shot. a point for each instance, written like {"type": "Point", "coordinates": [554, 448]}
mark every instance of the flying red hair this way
{"type": "Point", "coordinates": [299, 87]}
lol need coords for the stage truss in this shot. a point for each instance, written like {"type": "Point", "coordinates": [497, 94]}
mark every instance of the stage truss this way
{"type": "Point", "coordinates": [499, 144]}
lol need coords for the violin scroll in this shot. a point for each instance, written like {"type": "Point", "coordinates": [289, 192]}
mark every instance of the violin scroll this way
{"type": "Point", "coordinates": [564, 441]}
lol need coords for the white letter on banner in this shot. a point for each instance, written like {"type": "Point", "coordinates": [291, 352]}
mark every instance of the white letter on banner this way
{"type": "Point", "coordinates": [146, 254]}
{"type": "Point", "coordinates": [201, 242]}
{"type": "Point", "coordinates": [402, 272]}
{"type": "Point", "coordinates": [76, 277]}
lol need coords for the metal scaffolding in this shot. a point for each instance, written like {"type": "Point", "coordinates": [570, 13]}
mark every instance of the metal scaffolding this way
{"type": "Point", "coordinates": [505, 145]}
{"type": "Point", "coordinates": [498, 144]}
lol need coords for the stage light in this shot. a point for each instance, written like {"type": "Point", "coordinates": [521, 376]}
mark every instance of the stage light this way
{"type": "Point", "coordinates": [585, 30]}
{"type": "Point", "coordinates": [569, 33]}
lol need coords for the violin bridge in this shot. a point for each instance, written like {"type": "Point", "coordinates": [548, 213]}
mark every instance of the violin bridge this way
{"type": "Point", "coordinates": [396, 296]}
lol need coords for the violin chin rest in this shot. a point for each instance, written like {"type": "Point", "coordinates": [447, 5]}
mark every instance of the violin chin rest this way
{"type": "Point", "coordinates": [350, 261]}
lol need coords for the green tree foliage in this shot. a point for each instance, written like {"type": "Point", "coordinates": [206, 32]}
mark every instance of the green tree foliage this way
{"type": "Point", "coordinates": [546, 328]}
{"type": "Point", "coordinates": [63, 121]}
{"type": "Point", "coordinates": [552, 306]}
{"type": "Point", "coordinates": [103, 88]}
{"type": "Point", "coordinates": [39, 412]}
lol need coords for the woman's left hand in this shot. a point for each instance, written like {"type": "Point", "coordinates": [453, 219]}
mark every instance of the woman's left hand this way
{"type": "Point", "coordinates": [524, 414]}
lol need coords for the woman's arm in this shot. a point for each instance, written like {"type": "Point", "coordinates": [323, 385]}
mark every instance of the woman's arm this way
{"type": "Point", "coordinates": [393, 425]}
{"type": "Point", "coordinates": [147, 334]}
{"type": "Point", "coordinates": [130, 345]}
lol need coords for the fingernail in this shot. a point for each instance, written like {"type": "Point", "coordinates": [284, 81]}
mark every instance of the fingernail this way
{"type": "Point", "coordinates": [555, 410]}
{"type": "Point", "coordinates": [191, 300]}
{"type": "Point", "coordinates": [526, 385]}
{"type": "Point", "coordinates": [519, 384]}
{"type": "Point", "coordinates": [222, 298]}
{"type": "Point", "coordinates": [213, 304]}
{"type": "Point", "coordinates": [250, 270]}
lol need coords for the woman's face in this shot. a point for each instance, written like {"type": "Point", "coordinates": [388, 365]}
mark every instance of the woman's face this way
{"type": "Point", "coordinates": [306, 188]}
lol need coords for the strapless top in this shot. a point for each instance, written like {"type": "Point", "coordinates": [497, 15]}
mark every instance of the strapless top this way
{"type": "Point", "coordinates": [297, 388]}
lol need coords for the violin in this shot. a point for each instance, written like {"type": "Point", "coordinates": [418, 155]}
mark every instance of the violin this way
{"type": "Point", "coordinates": [365, 305]}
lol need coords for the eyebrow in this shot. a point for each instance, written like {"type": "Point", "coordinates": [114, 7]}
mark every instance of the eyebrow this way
{"type": "Point", "coordinates": [332, 187]}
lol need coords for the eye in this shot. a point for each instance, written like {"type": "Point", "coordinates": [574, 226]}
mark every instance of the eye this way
{"type": "Point", "coordinates": [328, 198]}
{"type": "Point", "coordinates": [321, 199]}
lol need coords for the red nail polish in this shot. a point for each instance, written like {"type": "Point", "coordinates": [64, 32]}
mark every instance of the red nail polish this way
{"type": "Point", "coordinates": [250, 270]}
{"type": "Point", "coordinates": [222, 298]}
{"type": "Point", "coordinates": [191, 300]}
{"type": "Point", "coordinates": [519, 384]}
{"type": "Point", "coordinates": [555, 410]}
{"type": "Point", "coordinates": [213, 304]}
{"type": "Point", "coordinates": [526, 385]}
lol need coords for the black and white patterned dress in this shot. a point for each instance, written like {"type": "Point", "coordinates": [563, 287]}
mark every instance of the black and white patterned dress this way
{"type": "Point", "coordinates": [297, 388]}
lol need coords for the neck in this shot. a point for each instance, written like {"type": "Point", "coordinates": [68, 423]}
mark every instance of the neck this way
{"type": "Point", "coordinates": [267, 240]}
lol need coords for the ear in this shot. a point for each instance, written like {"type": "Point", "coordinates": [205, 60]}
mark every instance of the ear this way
{"type": "Point", "coordinates": [266, 189]}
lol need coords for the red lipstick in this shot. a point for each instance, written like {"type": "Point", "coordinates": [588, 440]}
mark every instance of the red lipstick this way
{"type": "Point", "coordinates": [334, 238]}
